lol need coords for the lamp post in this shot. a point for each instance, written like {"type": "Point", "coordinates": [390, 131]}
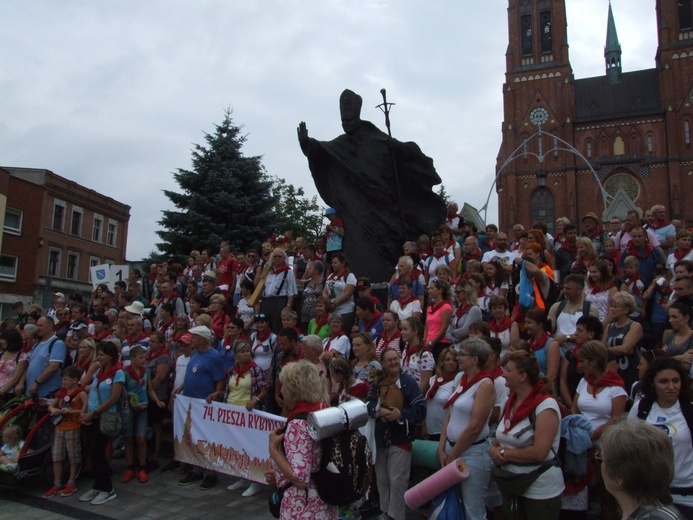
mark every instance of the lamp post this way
{"type": "Point", "coordinates": [538, 117]}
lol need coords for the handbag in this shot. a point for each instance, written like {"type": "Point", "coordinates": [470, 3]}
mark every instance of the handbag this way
{"type": "Point", "coordinates": [448, 505]}
{"type": "Point", "coordinates": [525, 293]}
{"type": "Point", "coordinates": [513, 485]}
{"type": "Point", "coordinates": [275, 500]}
{"type": "Point", "coordinates": [109, 422]}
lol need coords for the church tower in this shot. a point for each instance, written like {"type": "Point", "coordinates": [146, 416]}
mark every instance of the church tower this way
{"type": "Point", "coordinates": [538, 80]}
{"type": "Point", "coordinates": [675, 65]}
{"type": "Point", "coordinates": [612, 50]}
{"type": "Point", "coordinates": [603, 145]}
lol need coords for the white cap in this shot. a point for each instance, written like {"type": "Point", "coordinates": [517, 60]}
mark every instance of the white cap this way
{"type": "Point", "coordinates": [201, 330]}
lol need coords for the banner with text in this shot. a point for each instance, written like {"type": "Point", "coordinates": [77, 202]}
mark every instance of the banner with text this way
{"type": "Point", "coordinates": [222, 437]}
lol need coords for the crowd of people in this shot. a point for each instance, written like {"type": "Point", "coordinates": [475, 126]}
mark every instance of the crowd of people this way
{"type": "Point", "coordinates": [481, 342]}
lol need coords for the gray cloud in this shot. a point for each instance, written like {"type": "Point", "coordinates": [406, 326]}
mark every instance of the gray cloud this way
{"type": "Point", "coordinates": [113, 95]}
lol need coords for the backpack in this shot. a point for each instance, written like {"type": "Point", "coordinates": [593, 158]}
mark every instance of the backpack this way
{"type": "Point", "coordinates": [350, 455]}
{"type": "Point", "coordinates": [68, 357]}
{"type": "Point", "coordinates": [586, 306]}
{"type": "Point", "coordinates": [645, 405]}
{"type": "Point", "coordinates": [553, 296]}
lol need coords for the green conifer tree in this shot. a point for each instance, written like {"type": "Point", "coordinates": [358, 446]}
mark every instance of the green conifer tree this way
{"type": "Point", "coordinates": [226, 196]}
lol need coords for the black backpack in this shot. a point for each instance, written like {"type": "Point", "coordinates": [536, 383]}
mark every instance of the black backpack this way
{"type": "Point", "coordinates": [68, 358]}
{"type": "Point", "coordinates": [346, 469]}
{"type": "Point", "coordinates": [645, 405]}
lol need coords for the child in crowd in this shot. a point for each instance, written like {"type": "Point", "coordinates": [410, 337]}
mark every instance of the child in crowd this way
{"type": "Point", "coordinates": [139, 390]}
{"type": "Point", "coordinates": [479, 329]}
{"type": "Point", "coordinates": [181, 365]}
{"type": "Point", "coordinates": [632, 283]}
{"type": "Point", "coordinates": [11, 445]}
{"type": "Point", "coordinates": [69, 403]}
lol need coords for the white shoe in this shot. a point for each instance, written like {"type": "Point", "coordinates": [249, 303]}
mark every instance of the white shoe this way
{"type": "Point", "coordinates": [103, 497]}
{"type": "Point", "coordinates": [240, 483]}
{"type": "Point", "coordinates": [252, 490]}
{"type": "Point", "coordinates": [89, 495]}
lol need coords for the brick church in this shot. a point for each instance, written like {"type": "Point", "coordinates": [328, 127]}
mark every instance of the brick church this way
{"type": "Point", "coordinates": [631, 130]}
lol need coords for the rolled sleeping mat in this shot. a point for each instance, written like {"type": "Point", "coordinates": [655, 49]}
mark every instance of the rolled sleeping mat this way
{"type": "Point", "coordinates": [424, 454]}
{"type": "Point", "coordinates": [334, 420]}
{"type": "Point", "coordinates": [440, 481]}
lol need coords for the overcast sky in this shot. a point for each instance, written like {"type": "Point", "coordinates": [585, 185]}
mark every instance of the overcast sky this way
{"type": "Point", "coordinates": [114, 94]}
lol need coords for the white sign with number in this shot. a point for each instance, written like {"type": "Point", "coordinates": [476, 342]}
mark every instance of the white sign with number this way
{"type": "Point", "coordinates": [108, 274]}
{"type": "Point", "coordinates": [119, 273]}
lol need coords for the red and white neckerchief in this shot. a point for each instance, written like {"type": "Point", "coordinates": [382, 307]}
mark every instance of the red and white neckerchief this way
{"type": "Point", "coordinates": [337, 277]}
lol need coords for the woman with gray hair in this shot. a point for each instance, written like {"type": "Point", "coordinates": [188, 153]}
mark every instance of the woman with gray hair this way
{"type": "Point", "coordinates": [622, 337]}
{"type": "Point", "coordinates": [312, 290]}
{"type": "Point", "coordinates": [638, 467]}
{"type": "Point", "coordinates": [465, 428]}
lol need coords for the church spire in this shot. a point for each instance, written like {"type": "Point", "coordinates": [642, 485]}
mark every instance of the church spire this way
{"type": "Point", "coordinates": [612, 50]}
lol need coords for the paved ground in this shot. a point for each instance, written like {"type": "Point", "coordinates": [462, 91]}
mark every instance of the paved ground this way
{"type": "Point", "coordinates": [161, 497]}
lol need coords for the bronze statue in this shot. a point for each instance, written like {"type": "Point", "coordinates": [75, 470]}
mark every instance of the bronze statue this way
{"type": "Point", "coordinates": [380, 187]}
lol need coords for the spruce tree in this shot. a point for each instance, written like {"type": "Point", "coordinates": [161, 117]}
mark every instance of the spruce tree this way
{"type": "Point", "coordinates": [225, 196]}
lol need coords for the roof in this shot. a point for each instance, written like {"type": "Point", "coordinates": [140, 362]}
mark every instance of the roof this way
{"type": "Point", "coordinates": [612, 44]}
{"type": "Point", "coordinates": [636, 94]}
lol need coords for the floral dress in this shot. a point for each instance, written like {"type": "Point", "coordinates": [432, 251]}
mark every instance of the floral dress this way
{"type": "Point", "coordinates": [303, 454]}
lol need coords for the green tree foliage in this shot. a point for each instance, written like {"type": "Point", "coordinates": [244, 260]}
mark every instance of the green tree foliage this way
{"type": "Point", "coordinates": [299, 214]}
{"type": "Point", "coordinates": [225, 196]}
{"type": "Point", "coordinates": [444, 194]}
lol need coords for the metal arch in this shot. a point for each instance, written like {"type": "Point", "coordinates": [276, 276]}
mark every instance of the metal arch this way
{"type": "Point", "coordinates": [606, 197]}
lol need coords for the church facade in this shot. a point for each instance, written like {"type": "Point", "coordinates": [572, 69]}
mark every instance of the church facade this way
{"type": "Point", "coordinates": [630, 130]}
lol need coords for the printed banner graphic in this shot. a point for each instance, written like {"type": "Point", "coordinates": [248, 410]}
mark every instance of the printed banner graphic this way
{"type": "Point", "coordinates": [222, 437]}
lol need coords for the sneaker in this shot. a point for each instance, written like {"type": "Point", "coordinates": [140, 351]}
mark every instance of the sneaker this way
{"type": "Point", "coordinates": [190, 478]}
{"type": "Point", "coordinates": [239, 484]}
{"type": "Point", "coordinates": [142, 476]}
{"type": "Point", "coordinates": [128, 476]}
{"type": "Point", "coordinates": [252, 490]}
{"type": "Point", "coordinates": [174, 464]}
{"type": "Point", "coordinates": [69, 489]}
{"type": "Point", "coordinates": [53, 491]}
{"type": "Point", "coordinates": [89, 495]}
{"type": "Point", "coordinates": [209, 482]}
{"type": "Point", "coordinates": [103, 497]}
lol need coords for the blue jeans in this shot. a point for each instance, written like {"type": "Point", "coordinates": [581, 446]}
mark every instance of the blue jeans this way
{"type": "Point", "coordinates": [475, 487]}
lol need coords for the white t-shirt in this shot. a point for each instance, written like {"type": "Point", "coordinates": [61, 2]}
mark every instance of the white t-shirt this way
{"type": "Point", "coordinates": [502, 391]}
{"type": "Point", "coordinates": [263, 351]}
{"type": "Point", "coordinates": [460, 415]}
{"type": "Point", "coordinates": [672, 422]}
{"type": "Point", "coordinates": [597, 409]}
{"type": "Point", "coordinates": [550, 483]}
{"type": "Point", "coordinates": [505, 258]}
{"type": "Point", "coordinates": [336, 285]}
{"type": "Point", "coordinates": [435, 415]}
{"type": "Point", "coordinates": [417, 363]}
{"type": "Point", "coordinates": [340, 344]}
{"type": "Point", "coordinates": [406, 312]}
{"type": "Point", "coordinates": [181, 367]}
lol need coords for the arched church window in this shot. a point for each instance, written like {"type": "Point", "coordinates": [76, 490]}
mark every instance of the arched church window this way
{"type": "Point", "coordinates": [650, 144]}
{"type": "Point", "coordinates": [685, 14]}
{"type": "Point", "coordinates": [687, 132]}
{"type": "Point", "coordinates": [526, 34]}
{"type": "Point", "coordinates": [619, 146]}
{"type": "Point", "coordinates": [588, 149]}
{"type": "Point", "coordinates": [541, 205]}
{"type": "Point", "coordinates": [546, 38]}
